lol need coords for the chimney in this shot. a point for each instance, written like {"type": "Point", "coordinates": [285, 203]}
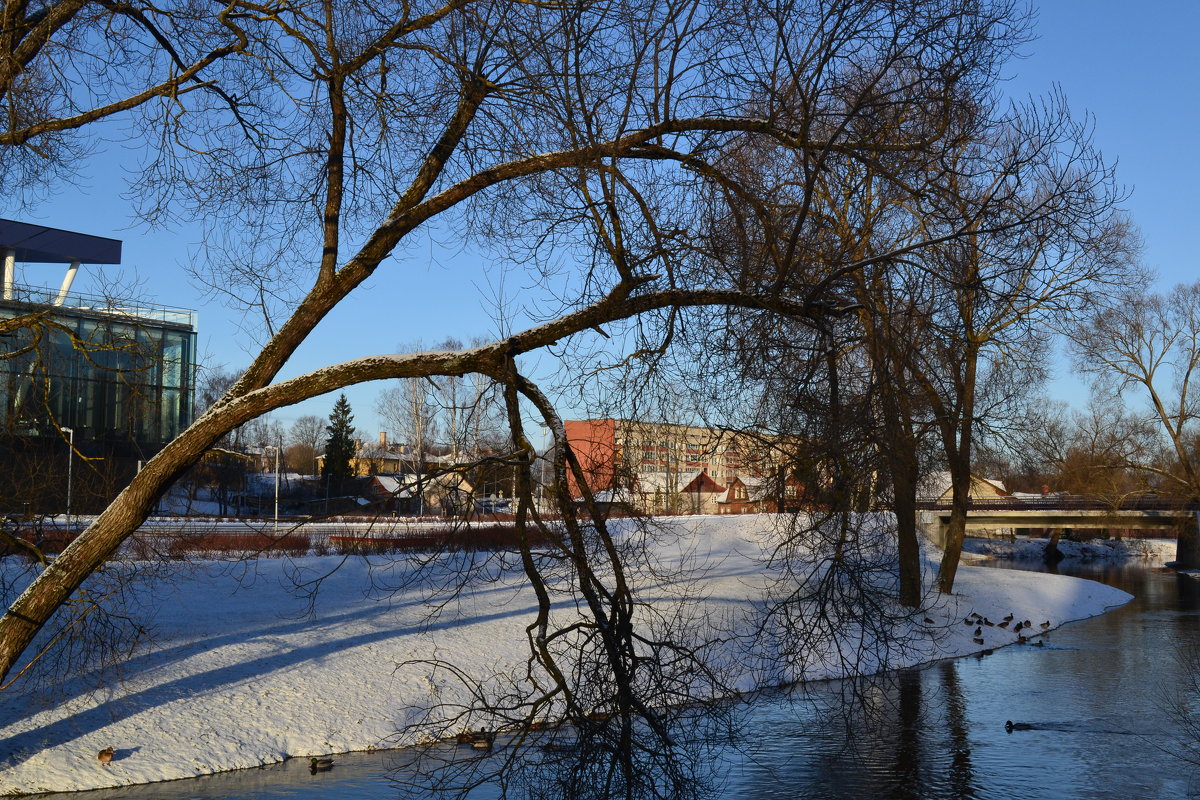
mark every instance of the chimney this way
{"type": "Point", "coordinates": [383, 438]}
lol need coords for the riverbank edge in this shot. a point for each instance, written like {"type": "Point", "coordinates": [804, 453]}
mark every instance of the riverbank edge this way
{"type": "Point", "coordinates": [69, 764]}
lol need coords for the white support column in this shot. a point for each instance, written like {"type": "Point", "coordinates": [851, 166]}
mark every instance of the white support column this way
{"type": "Point", "coordinates": [68, 279]}
{"type": "Point", "coordinates": [930, 523]}
{"type": "Point", "coordinates": [10, 269]}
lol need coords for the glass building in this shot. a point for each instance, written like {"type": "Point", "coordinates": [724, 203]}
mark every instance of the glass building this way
{"type": "Point", "coordinates": [118, 373]}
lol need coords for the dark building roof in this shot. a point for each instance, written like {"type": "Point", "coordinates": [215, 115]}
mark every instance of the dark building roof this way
{"type": "Point", "coordinates": [41, 245]}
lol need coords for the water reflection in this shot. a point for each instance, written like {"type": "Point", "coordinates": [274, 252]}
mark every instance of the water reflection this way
{"type": "Point", "coordinates": [600, 758]}
{"type": "Point", "coordinates": [907, 739]}
{"type": "Point", "coordinates": [1093, 696]}
{"type": "Point", "coordinates": [358, 775]}
{"type": "Point", "coordinates": [908, 759]}
{"type": "Point", "coordinates": [1098, 695]}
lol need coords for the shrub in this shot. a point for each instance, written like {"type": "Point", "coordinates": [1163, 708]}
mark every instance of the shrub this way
{"type": "Point", "coordinates": [491, 537]}
{"type": "Point", "coordinates": [202, 544]}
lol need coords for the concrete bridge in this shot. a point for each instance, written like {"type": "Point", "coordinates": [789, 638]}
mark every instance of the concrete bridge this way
{"type": "Point", "coordinates": [1169, 517]}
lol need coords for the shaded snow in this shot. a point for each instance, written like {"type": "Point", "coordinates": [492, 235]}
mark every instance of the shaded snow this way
{"type": "Point", "coordinates": [240, 675]}
{"type": "Point", "coordinates": [1153, 551]}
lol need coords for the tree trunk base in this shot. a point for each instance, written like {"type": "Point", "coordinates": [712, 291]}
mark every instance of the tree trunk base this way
{"type": "Point", "coordinates": [1052, 554]}
{"type": "Point", "coordinates": [1187, 551]}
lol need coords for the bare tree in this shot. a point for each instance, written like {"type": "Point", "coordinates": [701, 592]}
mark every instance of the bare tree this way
{"type": "Point", "coordinates": [595, 128]}
{"type": "Point", "coordinates": [126, 55]}
{"type": "Point", "coordinates": [1151, 343]}
{"type": "Point", "coordinates": [263, 432]}
{"type": "Point", "coordinates": [449, 397]}
{"type": "Point", "coordinates": [468, 411]}
{"type": "Point", "coordinates": [1046, 241]}
{"type": "Point", "coordinates": [966, 268]}
{"type": "Point", "coordinates": [481, 417]}
{"type": "Point", "coordinates": [1093, 451]}
{"type": "Point", "coordinates": [410, 411]}
{"type": "Point", "coordinates": [305, 437]}
{"type": "Point", "coordinates": [221, 472]}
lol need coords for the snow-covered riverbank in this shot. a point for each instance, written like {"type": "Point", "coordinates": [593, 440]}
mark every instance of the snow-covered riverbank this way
{"type": "Point", "coordinates": [1151, 551]}
{"type": "Point", "coordinates": [242, 674]}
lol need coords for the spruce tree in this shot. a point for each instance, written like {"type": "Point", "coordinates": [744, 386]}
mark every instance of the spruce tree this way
{"type": "Point", "coordinates": [339, 447]}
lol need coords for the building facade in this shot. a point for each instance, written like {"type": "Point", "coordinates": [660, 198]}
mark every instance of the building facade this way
{"type": "Point", "coordinates": [112, 376]}
{"type": "Point", "coordinates": [665, 467]}
{"type": "Point", "coordinates": [115, 375]}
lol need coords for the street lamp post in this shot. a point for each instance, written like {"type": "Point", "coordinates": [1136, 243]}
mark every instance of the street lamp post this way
{"type": "Point", "coordinates": [542, 477]}
{"type": "Point", "coordinates": [276, 491]}
{"type": "Point", "coordinates": [70, 432]}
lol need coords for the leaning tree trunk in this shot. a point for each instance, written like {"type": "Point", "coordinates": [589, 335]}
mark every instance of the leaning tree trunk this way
{"type": "Point", "coordinates": [900, 456]}
{"type": "Point", "coordinates": [250, 398]}
{"type": "Point", "coordinates": [957, 439]}
{"type": "Point", "coordinates": [898, 445]}
{"type": "Point", "coordinates": [956, 529]}
{"type": "Point", "coordinates": [37, 604]}
{"type": "Point", "coordinates": [904, 506]}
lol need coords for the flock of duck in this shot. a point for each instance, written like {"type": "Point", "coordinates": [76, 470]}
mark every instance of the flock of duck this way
{"type": "Point", "coordinates": [1019, 627]}
{"type": "Point", "coordinates": [315, 765]}
{"type": "Point", "coordinates": [482, 739]}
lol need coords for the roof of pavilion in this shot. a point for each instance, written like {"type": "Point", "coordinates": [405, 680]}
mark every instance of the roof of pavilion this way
{"type": "Point", "coordinates": [39, 244]}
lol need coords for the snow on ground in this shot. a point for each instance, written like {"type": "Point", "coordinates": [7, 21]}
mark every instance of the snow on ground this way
{"type": "Point", "coordinates": [241, 675]}
{"type": "Point", "coordinates": [1153, 551]}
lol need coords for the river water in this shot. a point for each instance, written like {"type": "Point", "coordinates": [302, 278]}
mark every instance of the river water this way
{"type": "Point", "coordinates": [1100, 697]}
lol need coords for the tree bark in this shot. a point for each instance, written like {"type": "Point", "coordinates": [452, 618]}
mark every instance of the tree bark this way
{"type": "Point", "coordinates": [1187, 548]}
{"type": "Point", "coordinates": [956, 528]}
{"type": "Point", "coordinates": [903, 463]}
{"type": "Point", "coordinates": [958, 439]}
{"type": "Point", "coordinates": [899, 449]}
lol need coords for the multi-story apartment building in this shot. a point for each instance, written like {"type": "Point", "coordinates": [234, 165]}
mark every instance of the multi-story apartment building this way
{"type": "Point", "coordinates": [665, 467]}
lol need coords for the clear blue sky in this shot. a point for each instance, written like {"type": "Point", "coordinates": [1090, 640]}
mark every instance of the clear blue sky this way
{"type": "Point", "coordinates": [1133, 66]}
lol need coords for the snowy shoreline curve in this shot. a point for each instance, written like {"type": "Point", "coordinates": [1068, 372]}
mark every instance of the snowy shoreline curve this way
{"type": "Point", "coordinates": [240, 674]}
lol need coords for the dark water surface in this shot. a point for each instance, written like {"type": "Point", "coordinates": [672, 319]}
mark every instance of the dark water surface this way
{"type": "Point", "coordinates": [1099, 693]}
